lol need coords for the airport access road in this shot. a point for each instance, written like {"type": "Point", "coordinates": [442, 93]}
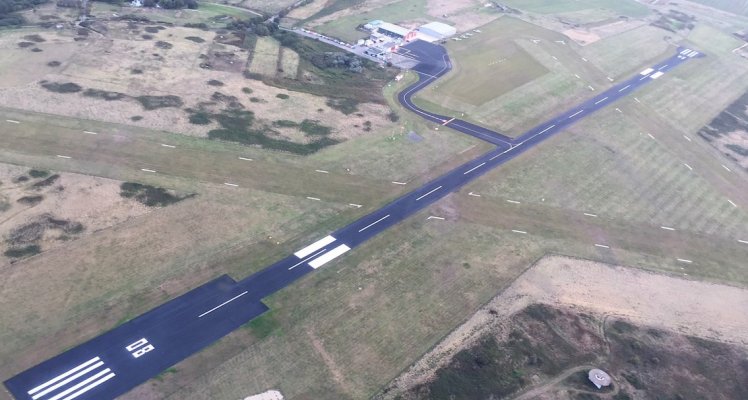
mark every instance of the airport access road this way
{"type": "Point", "coordinates": [113, 363]}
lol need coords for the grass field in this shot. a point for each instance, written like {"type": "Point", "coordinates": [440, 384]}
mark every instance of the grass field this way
{"type": "Point", "coordinates": [289, 63]}
{"type": "Point", "coordinates": [621, 55]}
{"type": "Point", "coordinates": [206, 13]}
{"type": "Point", "coordinates": [345, 27]}
{"type": "Point", "coordinates": [612, 7]}
{"type": "Point", "coordinates": [739, 7]}
{"type": "Point", "coordinates": [265, 56]}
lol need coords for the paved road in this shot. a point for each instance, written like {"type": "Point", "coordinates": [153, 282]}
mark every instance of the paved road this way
{"type": "Point", "coordinates": [117, 361]}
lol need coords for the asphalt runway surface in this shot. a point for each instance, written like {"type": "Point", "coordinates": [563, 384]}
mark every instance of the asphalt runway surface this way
{"type": "Point", "coordinates": [119, 360]}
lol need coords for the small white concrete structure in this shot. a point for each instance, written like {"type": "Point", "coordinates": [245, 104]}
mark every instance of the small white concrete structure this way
{"type": "Point", "coordinates": [269, 395]}
{"type": "Point", "coordinates": [438, 30]}
{"type": "Point", "coordinates": [599, 378]}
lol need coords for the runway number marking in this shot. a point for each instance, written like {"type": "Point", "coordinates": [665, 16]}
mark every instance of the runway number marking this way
{"type": "Point", "coordinates": [139, 348]}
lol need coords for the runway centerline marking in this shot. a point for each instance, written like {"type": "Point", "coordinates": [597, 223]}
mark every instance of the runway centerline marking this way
{"type": "Point", "coordinates": [222, 304]}
{"type": "Point", "coordinates": [432, 191]}
{"type": "Point", "coordinates": [575, 114]}
{"type": "Point", "coordinates": [474, 168]}
{"type": "Point", "coordinates": [63, 375]}
{"type": "Point", "coordinates": [590, 215]}
{"type": "Point", "coordinates": [373, 223]}
{"type": "Point", "coordinates": [544, 130]}
{"type": "Point", "coordinates": [245, 159]}
{"type": "Point", "coordinates": [683, 260]}
{"type": "Point", "coordinates": [624, 88]}
{"type": "Point", "coordinates": [91, 133]}
{"type": "Point", "coordinates": [147, 170]}
{"type": "Point", "coordinates": [307, 259]}
{"type": "Point", "coordinates": [601, 100]}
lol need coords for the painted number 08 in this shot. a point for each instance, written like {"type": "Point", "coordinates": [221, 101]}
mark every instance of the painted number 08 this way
{"type": "Point", "coordinates": [139, 348]}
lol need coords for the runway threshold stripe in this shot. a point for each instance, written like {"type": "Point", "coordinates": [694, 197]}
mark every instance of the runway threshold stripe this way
{"type": "Point", "coordinates": [63, 376]}
{"type": "Point", "coordinates": [329, 256]}
{"type": "Point", "coordinates": [373, 223]}
{"type": "Point", "coordinates": [89, 387]}
{"type": "Point", "coordinates": [81, 384]}
{"type": "Point", "coordinates": [222, 304]}
{"type": "Point", "coordinates": [432, 191]}
{"type": "Point", "coordinates": [314, 246]}
{"type": "Point", "coordinates": [68, 380]}
{"type": "Point", "coordinates": [307, 259]}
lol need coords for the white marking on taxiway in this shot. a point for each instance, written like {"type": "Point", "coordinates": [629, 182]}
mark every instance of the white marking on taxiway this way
{"type": "Point", "coordinates": [399, 183]}
{"type": "Point", "coordinates": [432, 191]}
{"type": "Point", "coordinates": [222, 304]}
{"type": "Point", "coordinates": [473, 169]}
{"type": "Point", "coordinates": [374, 223]}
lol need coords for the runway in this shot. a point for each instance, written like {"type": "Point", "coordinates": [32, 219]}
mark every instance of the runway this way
{"type": "Point", "coordinates": [117, 361]}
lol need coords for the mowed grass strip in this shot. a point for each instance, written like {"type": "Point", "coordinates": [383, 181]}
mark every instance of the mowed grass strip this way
{"type": "Point", "coordinates": [265, 56]}
{"type": "Point", "coordinates": [623, 54]}
{"type": "Point", "coordinates": [289, 63]}
{"type": "Point", "coordinates": [613, 7]}
{"type": "Point", "coordinates": [739, 7]}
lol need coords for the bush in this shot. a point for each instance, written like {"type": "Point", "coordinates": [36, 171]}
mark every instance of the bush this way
{"type": "Point", "coordinates": [200, 118]}
{"type": "Point", "coordinates": [25, 251]}
{"type": "Point", "coordinates": [47, 182]}
{"type": "Point", "coordinates": [312, 127]}
{"type": "Point", "coordinates": [136, 118]}
{"type": "Point", "coordinates": [103, 94]}
{"type": "Point", "coordinates": [393, 116]}
{"type": "Point", "coordinates": [34, 38]}
{"type": "Point", "coordinates": [346, 106]}
{"type": "Point", "coordinates": [282, 96]}
{"type": "Point", "coordinates": [195, 39]}
{"type": "Point", "coordinates": [30, 200]}
{"type": "Point", "coordinates": [164, 45]}
{"type": "Point", "coordinates": [214, 82]}
{"type": "Point", "coordinates": [57, 87]}
{"type": "Point", "coordinates": [149, 195]}
{"type": "Point", "coordinates": [24, 45]}
{"type": "Point", "coordinates": [156, 102]}
{"type": "Point", "coordinates": [284, 123]}
{"type": "Point", "coordinates": [247, 90]}
{"type": "Point", "coordinates": [53, 64]}
{"type": "Point", "coordinates": [36, 173]}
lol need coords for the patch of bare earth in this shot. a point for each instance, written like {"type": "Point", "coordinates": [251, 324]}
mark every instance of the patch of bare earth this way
{"type": "Point", "coordinates": [52, 209]}
{"type": "Point", "coordinates": [728, 142]}
{"type": "Point", "coordinates": [693, 308]}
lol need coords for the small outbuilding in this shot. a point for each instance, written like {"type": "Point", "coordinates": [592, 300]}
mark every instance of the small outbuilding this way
{"type": "Point", "coordinates": [599, 378]}
{"type": "Point", "coordinates": [438, 30]}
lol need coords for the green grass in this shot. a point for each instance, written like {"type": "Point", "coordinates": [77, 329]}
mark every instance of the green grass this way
{"type": "Point", "coordinates": [739, 7]}
{"type": "Point", "coordinates": [623, 54]}
{"type": "Point", "coordinates": [345, 28]}
{"type": "Point", "coordinates": [613, 7]}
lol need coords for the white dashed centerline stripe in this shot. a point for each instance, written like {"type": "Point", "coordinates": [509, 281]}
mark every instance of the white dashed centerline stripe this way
{"type": "Point", "coordinates": [432, 191]}
{"type": "Point", "coordinates": [624, 88]}
{"type": "Point", "coordinates": [575, 114]}
{"type": "Point", "coordinates": [546, 129]}
{"type": "Point", "coordinates": [602, 245]}
{"type": "Point", "coordinates": [61, 156]}
{"type": "Point", "coordinates": [230, 184]}
{"type": "Point", "coordinates": [473, 169]}
{"type": "Point", "coordinates": [147, 170]}
{"type": "Point", "coordinates": [245, 159]}
{"type": "Point", "coordinates": [313, 198]}
{"type": "Point", "coordinates": [683, 260]}
{"type": "Point", "coordinates": [517, 231]}
{"type": "Point", "coordinates": [307, 259]}
{"type": "Point", "coordinates": [168, 145]}
{"type": "Point", "coordinates": [222, 304]}
{"type": "Point", "coordinates": [373, 223]}
{"type": "Point", "coordinates": [12, 121]}
{"type": "Point", "coordinates": [662, 67]}
{"type": "Point", "coordinates": [667, 228]}
{"type": "Point", "coordinates": [513, 201]}
{"type": "Point", "coordinates": [601, 100]}
{"type": "Point", "coordinates": [590, 215]}
{"type": "Point", "coordinates": [63, 375]}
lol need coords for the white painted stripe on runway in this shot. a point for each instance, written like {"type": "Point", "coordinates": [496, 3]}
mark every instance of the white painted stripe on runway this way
{"type": "Point", "coordinates": [399, 183]}
{"type": "Point", "coordinates": [314, 246]}
{"type": "Point", "coordinates": [245, 159]}
{"type": "Point", "coordinates": [373, 223]}
{"type": "Point", "coordinates": [684, 260]}
{"type": "Point", "coordinates": [147, 170]}
{"type": "Point", "coordinates": [646, 71]}
{"type": "Point", "coordinates": [474, 168]}
{"type": "Point", "coordinates": [355, 205]}
{"type": "Point", "coordinates": [222, 304]}
{"type": "Point", "coordinates": [513, 201]}
{"type": "Point", "coordinates": [516, 231]}
{"type": "Point", "coordinates": [544, 130]}
{"type": "Point", "coordinates": [168, 145]}
{"type": "Point", "coordinates": [743, 241]}
{"type": "Point", "coordinates": [688, 166]}
{"type": "Point", "coordinates": [687, 138]}
{"type": "Point", "coordinates": [314, 198]}
{"type": "Point", "coordinates": [432, 191]}
{"type": "Point", "coordinates": [91, 133]}
{"type": "Point", "coordinates": [662, 67]}
{"type": "Point", "coordinates": [321, 171]}
{"type": "Point", "coordinates": [575, 114]}
{"type": "Point", "coordinates": [601, 100]}
{"type": "Point", "coordinates": [329, 256]}
{"type": "Point", "coordinates": [657, 75]}
{"type": "Point", "coordinates": [624, 88]}
{"type": "Point", "coordinates": [733, 204]}
{"type": "Point", "coordinates": [61, 156]}
{"type": "Point", "coordinates": [307, 259]}
{"type": "Point", "coordinates": [63, 375]}
{"type": "Point", "coordinates": [473, 194]}
{"type": "Point", "coordinates": [602, 245]}
{"type": "Point", "coordinates": [89, 387]}
{"type": "Point", "coordinates": [81, 384]}
{"type": "Point", "coordinates": [590, 215]}
{"type": "Point", "coordinates": [725, 167]}
{"type": "Point", "coordinates": [667, 228]}
{"type": "Point", "coordinates": [434, 217]}
{"type": "Point", "coordinates": [12, 121]}
{"type": "Point", "coordinates": [230, 184]}
{"type": "Point", "coordinates": [643, 78]}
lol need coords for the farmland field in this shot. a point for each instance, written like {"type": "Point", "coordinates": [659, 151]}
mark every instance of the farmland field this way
{"type": "Point", "coordinates": [611, 7]}
{"type": "Point", "coordinates": [739, 7]}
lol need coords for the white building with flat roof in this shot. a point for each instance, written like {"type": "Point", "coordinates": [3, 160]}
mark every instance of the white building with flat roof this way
{"type": "Point", "coordinates": [437, 30]}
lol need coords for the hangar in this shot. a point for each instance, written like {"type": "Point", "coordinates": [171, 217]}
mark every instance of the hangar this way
{"type": "Point", "coordinates": [392, 30]}
{"type": "Point", "coordinates": [437, 30]}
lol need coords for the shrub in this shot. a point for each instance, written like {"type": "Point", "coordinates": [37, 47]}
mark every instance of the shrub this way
{"type": "Point", "coordinates": [37, 173]}
{"type": "Point", "coordinates": [214, 82]}
{"type": "Point", "coordinates": [147, 37]}
{"type": "Point", "coordinates": [34, 38]}
{"type": "Point", "coordinates": [136, 71]}
{"type": "Point", "coordinates": [57, 87]}
{"type": "Point", "coordinates": [393, 116]}
{"type": "Point", "coordinates": [53, 64]}
{"type": "Point", "coordinates": [36, 50]}
{"type": "Point", "coordinates": [247, 90]}
{"type": "Point", "coordinates": [30, 200]}
{"type": "Point", "coordinates": [47, 182]}
{"type": "Point", "coordinates": [312, 127]}
{"type": "Point", "coordinates": [156, 102]}
{"type": "Point", "coordinates": [103, 94]}
{"type": "Point", "coordinates": [24, 45]}
{"type": "Point", "coordinates": [195, 39]}
{"type": "Point", "coordinates": [284, 123]}
{"type": "Point", "coordinates": [136, 118]}
{"type": "Point", "coordinates": [164, 45]}
{"type": "Point", "coordinates": [282, 96]}
{"type": "Point", "coordinates": [149, 195]}
{"type": "Point", "coordinates": [346, 106]}
{"type": "Point", "coordinates": [25, 251]}
{"type": "Point", "coordinates": [200, 118]}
